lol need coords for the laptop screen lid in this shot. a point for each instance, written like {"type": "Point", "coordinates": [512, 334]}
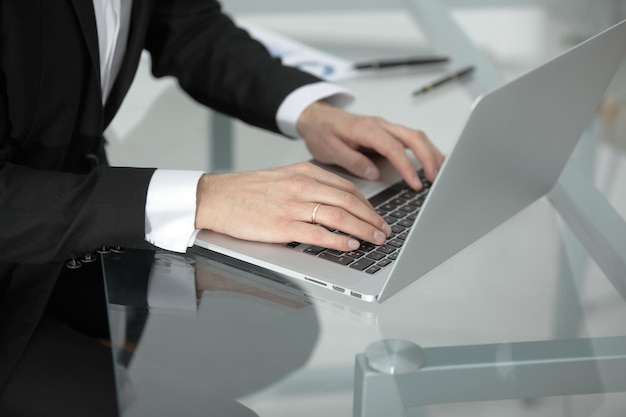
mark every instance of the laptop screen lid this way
{"type": "Point", "coordinates": [512, 150]}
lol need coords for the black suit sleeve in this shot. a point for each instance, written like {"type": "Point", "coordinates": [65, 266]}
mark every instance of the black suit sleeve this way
{"type": "Point", "coordinates": [217, 63]}
{"type": "Point", "coordinates": [47, 215]}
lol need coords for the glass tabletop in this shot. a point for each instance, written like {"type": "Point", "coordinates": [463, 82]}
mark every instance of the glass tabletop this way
{"type": "Point", "coordinates": [521, 323]}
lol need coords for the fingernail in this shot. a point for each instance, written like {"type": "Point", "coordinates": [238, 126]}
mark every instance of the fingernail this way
{"type": "Point", "coordinates": [387, 229]}
{"type": "Point", "coordinates": [417, 182]}
{"type": "Point", "coordinates": [370, 174]}
{"type": "Point", "coordinates": [379, 237]}
{"type": "Point", "coordinates": [353, 244]}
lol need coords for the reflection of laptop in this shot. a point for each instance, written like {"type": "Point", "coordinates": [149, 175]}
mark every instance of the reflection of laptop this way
{"type": "Point", "coordinates": [511, 152]}
{"type": "Point", "coordinates": [266, 286]}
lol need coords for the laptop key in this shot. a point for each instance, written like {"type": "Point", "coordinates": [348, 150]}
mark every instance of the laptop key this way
{"type": "Point", "coordinates": [396, 243]}
{"type": "Point", "coordinates": [396, 228]}
{"type": "Point", "coordinates": [377, 256]}
{"type": "Point", "coordinates": [356, 254]}
{"type": "Point", "coordinates": [373, 269]}
{"type": "Point", "coordinates": [406, 223]}
{"type": "Point", "coordinates": [383, 196]}
{"type": "Point", "coordinates": [314, 250]}
{"type": "Point", "coordinates": [384, 263]}
{"type": "Point", "coordinates": [386, 249]}
{"type": "Point", "coordinates": [343, 260]}
{"type": "Point", "coordinates": [390, 220]}
{"type": "Point", "coordinates": [362, 264]}
{"type": "Point", "coordinates": [367, 247]}
{"type": "Point", "coordinates": [387, 207]}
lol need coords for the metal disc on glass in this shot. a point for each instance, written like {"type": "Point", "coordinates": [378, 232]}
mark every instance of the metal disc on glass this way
{"type": "Point", "coordinates": [395, 356]}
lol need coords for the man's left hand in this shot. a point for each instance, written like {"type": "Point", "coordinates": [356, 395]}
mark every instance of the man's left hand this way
{"type": "Point", "coordinates": [335, 136]}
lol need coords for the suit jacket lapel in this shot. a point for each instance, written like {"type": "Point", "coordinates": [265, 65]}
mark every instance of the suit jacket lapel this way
{"type": "Point", "coordinates": [87, 19]}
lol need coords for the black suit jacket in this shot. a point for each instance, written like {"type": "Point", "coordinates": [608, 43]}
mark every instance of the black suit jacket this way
{"type": "Point", "coordinates": [53, 201]}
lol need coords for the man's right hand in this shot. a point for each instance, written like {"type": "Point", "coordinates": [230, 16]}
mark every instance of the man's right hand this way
{"type": "Point", "coordinates": [287, 204]}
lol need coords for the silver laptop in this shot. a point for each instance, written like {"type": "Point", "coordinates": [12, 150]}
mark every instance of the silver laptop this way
{"type": "Point", "coordinates": [514, 146]}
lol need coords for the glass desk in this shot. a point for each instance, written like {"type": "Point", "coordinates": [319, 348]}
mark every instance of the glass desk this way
{"type": "Point", "coordinates": [521, 323]}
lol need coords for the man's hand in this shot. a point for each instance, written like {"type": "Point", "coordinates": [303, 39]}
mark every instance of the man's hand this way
{"type": "Point", "coordinates": [288, 204]}
{"type": "Point", "coordinates": [337, 137]}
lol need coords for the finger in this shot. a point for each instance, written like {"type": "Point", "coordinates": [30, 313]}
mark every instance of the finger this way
{"type": "Point", "coordinates": [320, 236]}
{"type": "Point", "coordinates": [381, 140]}
{"type": "Point", "coordinates": [426, 152]}
{"type": "Point", "coordinates": [337, 218]}
{"type": "Point", "coordinates": [348, 202]}
{"type": "Point", "coordinates": [331, 180]}
{"type": "Point", "coordinates": [355, 162]}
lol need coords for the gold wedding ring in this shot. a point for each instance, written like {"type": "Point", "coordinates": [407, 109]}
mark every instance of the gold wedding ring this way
{"type": "Point", "coordinates": [314, 213]}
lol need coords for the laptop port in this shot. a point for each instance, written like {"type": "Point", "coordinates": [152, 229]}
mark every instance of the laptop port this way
{"type": "Point", "coordinates": [315, 281]}
{"type": "Point", "coordinates": [336, 288]}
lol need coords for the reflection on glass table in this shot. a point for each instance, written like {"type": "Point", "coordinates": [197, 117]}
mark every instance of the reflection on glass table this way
{"type": "Point", "coordinates": [190, 337]}
{"type": "Point", "coordinates": [522, 323]}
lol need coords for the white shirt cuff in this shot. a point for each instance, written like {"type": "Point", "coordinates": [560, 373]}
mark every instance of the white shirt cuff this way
{"type": "Point", "coordinates": [171, 209]}
{"type": "Point", "coordinates": [295, 103]}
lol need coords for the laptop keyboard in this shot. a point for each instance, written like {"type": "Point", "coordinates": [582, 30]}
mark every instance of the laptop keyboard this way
{"type": "Point", "coordinates": [398, 205]}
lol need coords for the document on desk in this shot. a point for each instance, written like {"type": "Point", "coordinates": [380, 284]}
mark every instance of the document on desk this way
{"type": "Point", "coordinates": [300, 55]}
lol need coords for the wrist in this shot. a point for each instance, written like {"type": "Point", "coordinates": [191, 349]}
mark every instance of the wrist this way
{"type": "Point", "coordinates": [310, 117]}
{"type": "Point", "coordinates": [202, 197]}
